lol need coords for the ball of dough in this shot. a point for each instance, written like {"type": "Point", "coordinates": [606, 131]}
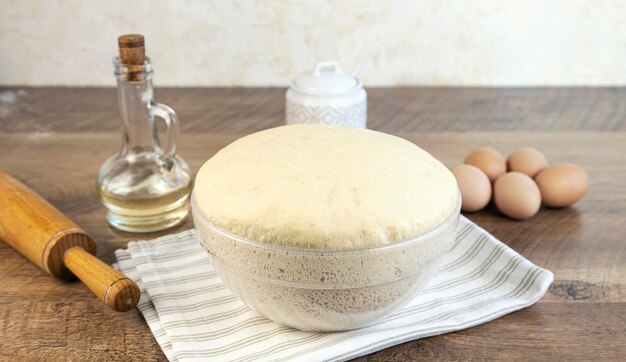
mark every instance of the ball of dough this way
{"type": "Point", "coordinates": [319, 186]}
{"type": "Point", "coordinates": [490, 161]}
{"type": "Point", "coordinates": [474, 185]}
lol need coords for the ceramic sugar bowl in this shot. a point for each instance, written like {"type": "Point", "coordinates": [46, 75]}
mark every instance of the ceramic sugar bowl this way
{"type": "Point", "coordinates": [327, 96]}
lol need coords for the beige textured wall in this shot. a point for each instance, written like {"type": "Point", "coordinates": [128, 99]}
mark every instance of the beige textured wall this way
{"type": "Point", "coordinates": [260, 43]}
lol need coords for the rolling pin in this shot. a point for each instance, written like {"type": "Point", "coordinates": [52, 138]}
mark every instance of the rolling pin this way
{"type": "Point", "coordinates": [50, 240]}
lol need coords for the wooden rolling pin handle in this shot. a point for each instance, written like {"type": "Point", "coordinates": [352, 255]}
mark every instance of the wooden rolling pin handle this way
{"type": "Point", "coordinates": [49, 239]}
{"type": "Point", "coordinates": [112, 287]}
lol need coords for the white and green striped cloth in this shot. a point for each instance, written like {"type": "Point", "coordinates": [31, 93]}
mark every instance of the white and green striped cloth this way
{"type": "Point", "coordinates": [194, 316]}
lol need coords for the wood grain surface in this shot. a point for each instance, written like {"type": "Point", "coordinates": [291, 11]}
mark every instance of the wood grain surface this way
{"type": "Point", "coordinates": [55, 139]}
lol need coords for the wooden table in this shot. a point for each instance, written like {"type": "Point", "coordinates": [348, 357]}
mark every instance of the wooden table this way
{"type": "Point", "coordinates": [55, 139]}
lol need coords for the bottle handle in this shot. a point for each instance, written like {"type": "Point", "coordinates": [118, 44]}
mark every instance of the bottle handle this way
{"type": "Point", "coordinates": [171, 121]}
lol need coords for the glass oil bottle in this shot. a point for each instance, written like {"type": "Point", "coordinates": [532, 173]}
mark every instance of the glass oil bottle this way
{"type": "Point", "coordinates": [145, 185]}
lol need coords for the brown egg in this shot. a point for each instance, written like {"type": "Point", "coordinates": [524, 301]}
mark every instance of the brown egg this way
{"type": "Point", "coordinates": [562, 184]}
{"type": "Point", "coordinates": [517, 196]}
{"type": "Point", "coordinates": [527, 160]}
{"type": "Point", "coordinates": [489, 160]}
{"type": "Point", "coordinates": [474, 185]}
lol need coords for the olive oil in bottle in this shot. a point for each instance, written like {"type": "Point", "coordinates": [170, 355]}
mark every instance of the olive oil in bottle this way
{"type": "Point", "coordinates": [145, 185]}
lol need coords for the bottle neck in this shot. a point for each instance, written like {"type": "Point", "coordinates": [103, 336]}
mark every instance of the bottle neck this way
{"type": "Point", "coordinates": [135, 96]}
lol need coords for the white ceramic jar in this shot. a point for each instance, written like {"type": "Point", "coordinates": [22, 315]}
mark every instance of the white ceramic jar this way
{"type": "Point", "coordinates": [327, 96]}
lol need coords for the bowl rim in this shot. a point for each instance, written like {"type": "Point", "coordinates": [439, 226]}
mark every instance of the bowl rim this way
{"type": "Point", "coordinates": [316, 251]}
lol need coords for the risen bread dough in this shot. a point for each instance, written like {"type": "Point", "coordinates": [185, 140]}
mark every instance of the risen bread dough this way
{"type": "Point", "coordinates": [317, 186]}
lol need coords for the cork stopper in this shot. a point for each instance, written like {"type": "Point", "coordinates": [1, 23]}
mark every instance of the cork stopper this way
{"type": "Point", "coordinates": [133, 54]}
{"type": "Point", "coordinates": [132, 49]}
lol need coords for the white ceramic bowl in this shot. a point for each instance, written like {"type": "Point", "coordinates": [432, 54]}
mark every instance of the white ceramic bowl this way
{"type": "Point", "coordinates": [327, 96]}
{"type": "Point", "coordinates": [325, 290]}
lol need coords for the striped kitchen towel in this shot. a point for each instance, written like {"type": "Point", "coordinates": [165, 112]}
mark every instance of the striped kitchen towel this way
{"type": "Point", "coordinates": [194, 316]}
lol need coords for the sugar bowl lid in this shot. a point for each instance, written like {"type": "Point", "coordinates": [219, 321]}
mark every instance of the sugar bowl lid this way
{"type": "Point", "coordinates": [327, 78]}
